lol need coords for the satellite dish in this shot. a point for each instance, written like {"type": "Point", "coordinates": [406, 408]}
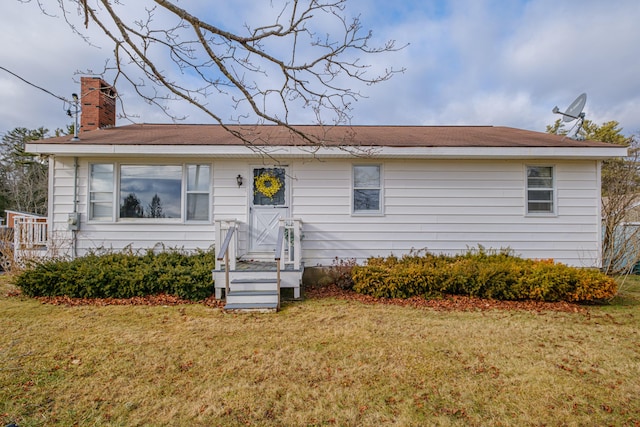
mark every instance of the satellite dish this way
{"type": "Point", "coordinates": [575, 109]}
{"type": "Point", "coordinates": [574, 112]}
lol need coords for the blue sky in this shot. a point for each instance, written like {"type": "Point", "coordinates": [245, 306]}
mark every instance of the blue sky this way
{"type": "Point", "coordinates": [468, 62]}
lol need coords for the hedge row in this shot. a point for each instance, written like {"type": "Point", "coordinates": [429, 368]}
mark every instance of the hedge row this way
{"type": "Point", "coordinates": [480, 273]}
{"type": "Point", "coordinates": [122, 275]}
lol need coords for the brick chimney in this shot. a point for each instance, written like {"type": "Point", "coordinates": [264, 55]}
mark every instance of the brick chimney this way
{"type": "Point", "coordinates": [98, 101]}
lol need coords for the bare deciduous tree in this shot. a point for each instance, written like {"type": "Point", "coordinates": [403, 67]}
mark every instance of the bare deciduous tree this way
{"type": "Point", "coordinates": [264, 72]}
{"type": "Point", "coordinates": [620, 215]}
{"type": "Point", "coordinates": [620, 197]}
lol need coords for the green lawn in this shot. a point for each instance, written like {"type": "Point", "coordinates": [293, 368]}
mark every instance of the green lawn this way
{"type": "Point", "coordinates": [318, 362]}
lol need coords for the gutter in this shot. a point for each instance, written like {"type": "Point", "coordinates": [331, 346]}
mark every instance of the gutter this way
{"type": "Point", "coordinates": [380, 152]}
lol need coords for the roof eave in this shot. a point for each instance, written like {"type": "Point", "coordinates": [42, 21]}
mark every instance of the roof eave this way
{"type": "Point", "coordinates": [240, 151]}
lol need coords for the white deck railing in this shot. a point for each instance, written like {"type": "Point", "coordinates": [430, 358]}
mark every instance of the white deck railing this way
{"type": "Point", "coordinates": [223, 227]}
{"type": "Point", "coordinates": [30, 233]}
{"type": "Point", "coordinates": [291, 251]}
{"type": "Point", "coordinates": [291, 254]}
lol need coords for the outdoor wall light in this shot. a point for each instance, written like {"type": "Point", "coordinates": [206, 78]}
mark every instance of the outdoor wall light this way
{"type": "Point", "coordinates": [239, 180]}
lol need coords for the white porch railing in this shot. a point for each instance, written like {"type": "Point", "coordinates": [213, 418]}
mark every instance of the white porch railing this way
{"type": "Point", "coordinates": [291, 254]}
{"type": "Point", "coordinates": [30, 233]}
{"type": "Point", "coordinates": [223, 226]}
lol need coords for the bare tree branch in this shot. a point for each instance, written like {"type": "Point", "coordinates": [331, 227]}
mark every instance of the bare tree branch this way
{"type": "Point", "coordinates": [621, 212]}
{"type": "Point", "coordinates": [266, 74]}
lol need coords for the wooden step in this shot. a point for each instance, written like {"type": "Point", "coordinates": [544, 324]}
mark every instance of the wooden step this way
{"type": "Point", "coordinates": [252, 297]}
{"type": "Point", "coordinates": [253, 284]}
{"type": "Point", "coordinates": [261, 308]}
{"type": "Point", "coordinates": [254, 300]}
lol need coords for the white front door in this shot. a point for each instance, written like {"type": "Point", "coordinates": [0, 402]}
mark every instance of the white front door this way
{"type": "Point", "coordinates": [269, 201]}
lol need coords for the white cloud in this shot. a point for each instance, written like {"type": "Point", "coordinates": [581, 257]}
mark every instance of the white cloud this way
{"type": "Point", "coordinates": [468, 62]}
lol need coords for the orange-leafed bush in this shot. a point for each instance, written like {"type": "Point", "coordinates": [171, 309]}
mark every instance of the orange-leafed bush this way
{"type": "Point", "coordinates": [480, 273]}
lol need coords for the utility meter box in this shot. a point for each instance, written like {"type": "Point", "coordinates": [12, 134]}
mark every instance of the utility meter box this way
{"type": "Point", "coordinates": [73, 221]}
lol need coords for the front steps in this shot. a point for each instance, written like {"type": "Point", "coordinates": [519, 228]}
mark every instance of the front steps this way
{"type": "Point", "coordinates": [253, 286]}
{"type": "Point", "coordinates": [253, 295]}
{"type": "Point", "coordinates": [264, 301]}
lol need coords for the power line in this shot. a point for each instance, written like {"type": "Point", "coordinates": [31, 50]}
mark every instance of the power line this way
{"type": "Point", "coordinates": [34, 85]}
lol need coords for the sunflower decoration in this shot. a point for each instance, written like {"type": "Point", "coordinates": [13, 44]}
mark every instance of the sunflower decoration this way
{"type": "Point", "coordinates": [267, 184]}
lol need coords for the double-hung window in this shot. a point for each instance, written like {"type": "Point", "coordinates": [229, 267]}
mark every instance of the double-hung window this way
{"type": "Point", "coordinates": [540, 190]}
{"type": "Point", "coordinates": [152, 192]}
{"type": "Point", "coordinates": [367, 189]}
{"type": "Point", "coordinates": [101, 192]}
{"type": "Point", "coordinates": [198, 182]}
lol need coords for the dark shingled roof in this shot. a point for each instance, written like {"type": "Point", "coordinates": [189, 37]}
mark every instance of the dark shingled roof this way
{"type": "Point", "coordinates": [390, 136]}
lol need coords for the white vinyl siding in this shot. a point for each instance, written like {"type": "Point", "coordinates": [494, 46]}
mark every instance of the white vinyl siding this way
{"type": "Point", "coordinates": [443, 206]}
{"type": "Point", "coordinates": [114, 235]}
{"type": "Point", "coordinates": [447, 206]}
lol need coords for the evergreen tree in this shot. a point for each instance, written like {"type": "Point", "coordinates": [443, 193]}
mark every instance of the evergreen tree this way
{"type": "Point", "coordinates": [155, 207]}
{"type": "Point", "coordinates": [131, 207]}
{"type": "Point", "coordinates": [23, 176]}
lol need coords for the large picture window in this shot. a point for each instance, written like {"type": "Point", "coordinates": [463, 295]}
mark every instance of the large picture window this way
{"type": "Point", "coordinates": [540, 190]}
{"type": "Point", "coordinates": [150, 191]}
{"type": "Point", "coordinates": [367, 189]}
{"type": "Point", "coordinates": [171, 192]}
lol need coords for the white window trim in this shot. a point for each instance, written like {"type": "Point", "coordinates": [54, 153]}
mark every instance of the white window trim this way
{"type": "Point", "coordinates": [115, 214]}
{"type": "Point", "coordinates": [100, 220]}
{"type": "Point", "coordinates": [185, 193]}
{"type": "Point", "coordinates": [380, 211]}
{"type": "Point", "coordinates": [554, 189]}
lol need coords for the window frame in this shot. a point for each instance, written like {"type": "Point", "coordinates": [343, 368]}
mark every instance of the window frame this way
{"type": "Point", "coordinates": [116, 188]}
{"type": "Point", "coordinates": [379, 188]}
{"type": "Point", "coordinates": [91, 200]}
{"type": "Point", "coordinates": [186, 192]}
{"type": "Point", "coordinates": [553, 189]}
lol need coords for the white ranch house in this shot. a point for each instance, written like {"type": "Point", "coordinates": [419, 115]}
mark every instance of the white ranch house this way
{"type": "Point", "coordinates": [368, 191]}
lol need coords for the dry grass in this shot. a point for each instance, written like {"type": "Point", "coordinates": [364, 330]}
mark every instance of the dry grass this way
{"type": "Point", "coordinates": [317, 362]}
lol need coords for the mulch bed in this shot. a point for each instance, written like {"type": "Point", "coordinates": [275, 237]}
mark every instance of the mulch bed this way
{"type": "Point", "coordinates": [162, 299]}
{"type": "Point", "coordinates": [446, 303]}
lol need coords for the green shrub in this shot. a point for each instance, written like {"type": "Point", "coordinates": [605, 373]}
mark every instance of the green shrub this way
{"type": "Point", "coordinates": [122, 275]}
{"type": "Point", "coordinates": [480, 273]}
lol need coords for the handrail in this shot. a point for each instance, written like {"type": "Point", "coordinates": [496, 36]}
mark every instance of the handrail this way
{"type": "Point", "coordinates": [278, 256]}
{"type": "Point", "coordinates": [227, 240]}
{"type": "Point", "coordinates": [224, 253]}
{"type": "Point", "coordinates": [291, 250]}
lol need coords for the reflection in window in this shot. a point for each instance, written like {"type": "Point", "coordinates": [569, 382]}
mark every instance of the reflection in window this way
{"type": "Point", "coordinates": [150, 191]}
{"type": "Point", "coordinates": [540, 196]}
{"type": "Point", "coordinates": [366, 188]}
